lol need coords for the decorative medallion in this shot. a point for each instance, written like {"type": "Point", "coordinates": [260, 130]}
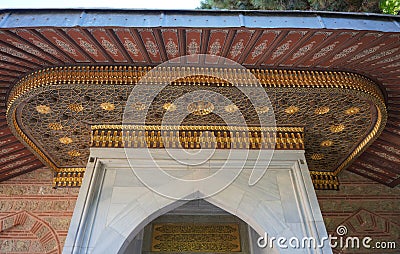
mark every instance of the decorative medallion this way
{"type": "Point", "coordinates": [303, 50]}
{"type": "Point", "coordinates": [169, 106]}
{"type": "Point", "coordinates": [26, 48]}
{"type": "Point", "coordinates": [352, 111]}
{"type": "Point", "coordinates": [200, 108]}
{"type": "Point", "coordinates": [259, 49]}
{"type": "Point", "coordinates": [131, 47]}
{"type": "Point", "coordinates": [337, 128]}
{"type": "Point", "coordinates": [65, 140]}
{"type": "Point", "coordinates": [326, 143]}
{"type": "Point", "coordinates": [74, 153]}
{"type": "Point", "coordinates": [138, 106]}
{"type": "Point", "coordinates": [107, 106]}
{"type": "Point", "coordinates": [43, 109]}
{"type": "Point", "coordinates": [324, 51]}
{"type": "Point", "coordinates": [45, 47]}
{"type": "Point", "coordinates": [317, 156]}
{"type": "Point", "coordinates": [110, 47]}
{"type": "Point", "coordinates": [365, 52]}
{"type": "Point", "coordinates": [171, 48]}
{"type": "Point", "coordinates": [262, 109]}
{"type": "Point", "coordinates": [151, 47]}
{"type": "Point", "coordinates": [345, 52]}
{"type": "Point", "coordinates": [76, 107]}
{"type": "Point", "coordinates": [237, 49]}
{"type": "Point", "coordinates": [321, 110]}
{"type": "Point", "coordinates": [193, 47]}
{"type": "Point", "coordinates": [231, 108]}
{"type": "Point", "coordinates": [215, 48]}
{"type": "Point", "coordinates": [88, 46]}
{"type": "Point", "coordinates": [65, 46]}
{"type": "Point", "coordinates": [281, 50]}
{"type": "Point", "coordinates": [291, 110]}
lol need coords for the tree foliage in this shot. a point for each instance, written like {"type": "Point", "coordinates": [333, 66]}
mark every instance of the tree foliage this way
{"type": "Point", "coordinates": [318, 5]}
{"type": "Point", "coordinates": [390, 6]}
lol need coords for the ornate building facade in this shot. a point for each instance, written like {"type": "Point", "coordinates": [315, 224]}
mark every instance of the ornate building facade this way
{"type": "Point", "coordinates": [78, 88]}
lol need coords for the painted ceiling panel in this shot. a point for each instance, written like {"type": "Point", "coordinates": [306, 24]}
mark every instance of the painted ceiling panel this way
{"type": "Point", "coordinates": [284, 47]}
{"type": "Point", "coordinates": [53, 35]}
{"type": "Point", "coordinates": [131, 44]}
{"type": "Point", "coordinates": [87, 44]}
{"type": "Point", "coordinates": [262, 46]}
{"type": "Point", "coordinates": [239, 44]}
{"type": "Point", "coordinates": [108, 44]}
{"type": "Point", "coordinates": [171, 43]}
{"type": "Point", "coordinates": [152, 47]}
{"type": "Point", "coordinates": [37, 40]}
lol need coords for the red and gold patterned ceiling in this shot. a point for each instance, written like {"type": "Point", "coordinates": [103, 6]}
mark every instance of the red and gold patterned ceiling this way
{"type": "Point", "coordinates": [366, 45]}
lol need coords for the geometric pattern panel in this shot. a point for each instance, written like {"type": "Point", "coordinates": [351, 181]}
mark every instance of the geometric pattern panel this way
{"type": "Point", "coordinates": [57, 117]}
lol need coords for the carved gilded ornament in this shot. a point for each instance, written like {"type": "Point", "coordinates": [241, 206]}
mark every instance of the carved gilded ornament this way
{"type": "Point", "coordinates": [321, 110]}
{"type": "Point", "coordinates": [352, 111]}
{"type": "Point", "coordinates": [200, 108]}
{"type": "Point", "coordinates": [287, 86]}
{"type": "Point", "coordinates": [65, 140]}
{"type": "Point", "coordinates": [43, 109]}
{"type": "Point", "coordinates": [169, 106]}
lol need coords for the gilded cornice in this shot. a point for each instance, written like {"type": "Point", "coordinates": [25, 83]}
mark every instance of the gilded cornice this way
{"type": "Point", "coordinates": [288, 80]}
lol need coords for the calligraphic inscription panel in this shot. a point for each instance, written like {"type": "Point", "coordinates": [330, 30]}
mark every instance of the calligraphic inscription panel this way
{"type": "Point", "coordinates": [195, 237]}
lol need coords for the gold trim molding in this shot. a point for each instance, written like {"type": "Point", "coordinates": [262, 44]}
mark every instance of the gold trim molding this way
{"type": "Point", "coordinates": [191, 137]}
{"type": "Point", "coordinates": [324, 180]}
{"type": "Point", "coordinates": [68, 179]}
{"type": "Point", "coordinates": [290, 79]}
{"type": "Point", "coordinates": [132, 75]}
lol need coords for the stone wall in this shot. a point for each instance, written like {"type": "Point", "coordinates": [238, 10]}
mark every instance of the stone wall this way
{"type": "Point", "coordinates": [34, 217]}
{"type": "Point", "coordinates": [365, 208]}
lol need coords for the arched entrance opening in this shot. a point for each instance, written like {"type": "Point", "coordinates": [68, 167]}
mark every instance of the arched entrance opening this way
{"type": "Point", "coordinates": [114, 206]}
{"type": "Point", "coordinates": [196, 226]}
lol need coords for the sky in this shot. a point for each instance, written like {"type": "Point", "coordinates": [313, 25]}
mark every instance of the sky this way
{"type": "Point", "coordinates": [120, 4]}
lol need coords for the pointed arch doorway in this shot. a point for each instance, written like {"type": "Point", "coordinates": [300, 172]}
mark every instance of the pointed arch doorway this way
{"type": "Point", "coordinates": [114, 206]}
{"type": "Point", "coordinates": [195, 227]}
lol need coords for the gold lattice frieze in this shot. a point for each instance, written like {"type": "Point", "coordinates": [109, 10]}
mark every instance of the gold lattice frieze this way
{"type": "Point", "coordinates": [324, 180]}
{"type": "Point", "coordinates": [195, 137]}
{"type": "Point", "coordinates": [198, 76]}
{"type": "Point", "coordinates": [68, 179]}
{"type": "Point", "coordinates": [342, 112]}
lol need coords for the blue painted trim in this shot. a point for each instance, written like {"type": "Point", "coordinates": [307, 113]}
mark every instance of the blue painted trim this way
{"type": "Point", "coordinates": [197, 18]}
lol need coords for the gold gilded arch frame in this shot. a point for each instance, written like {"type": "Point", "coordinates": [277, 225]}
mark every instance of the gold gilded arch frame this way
{"type": "Point", "coordinates": [50, 78]}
